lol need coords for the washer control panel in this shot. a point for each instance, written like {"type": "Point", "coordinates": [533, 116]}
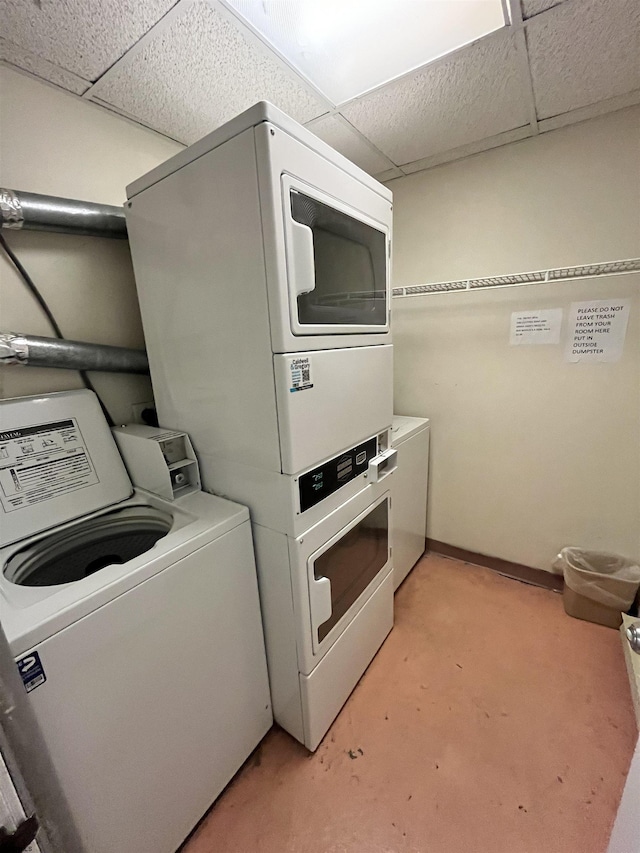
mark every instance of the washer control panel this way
{"type": "Point", "coordinates": [327, 478]}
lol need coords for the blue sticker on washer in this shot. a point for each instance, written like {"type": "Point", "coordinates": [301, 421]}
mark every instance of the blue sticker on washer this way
{"type": "Point", "coordinates": [31, 670]}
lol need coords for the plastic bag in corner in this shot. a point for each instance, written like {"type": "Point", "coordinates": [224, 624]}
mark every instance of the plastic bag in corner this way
{"type": "Point", "coordinates": [608, 579]}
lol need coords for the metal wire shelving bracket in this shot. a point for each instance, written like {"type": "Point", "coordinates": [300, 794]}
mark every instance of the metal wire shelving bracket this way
{"type": "Point", "coordinates": [631, 265]}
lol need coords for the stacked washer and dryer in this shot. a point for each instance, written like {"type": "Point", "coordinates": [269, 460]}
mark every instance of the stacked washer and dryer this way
{"type": "Point", "coordinates": [262, 261]}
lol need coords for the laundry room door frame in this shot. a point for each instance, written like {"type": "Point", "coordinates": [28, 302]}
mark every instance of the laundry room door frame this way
{"type": "Point", "coordinates": [28, 783]}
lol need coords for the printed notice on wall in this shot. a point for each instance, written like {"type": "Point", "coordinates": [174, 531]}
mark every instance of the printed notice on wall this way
{"type": "Point", "coordinates": [596, 330]}
{"type": "Point", "coordinates": [536, 327]}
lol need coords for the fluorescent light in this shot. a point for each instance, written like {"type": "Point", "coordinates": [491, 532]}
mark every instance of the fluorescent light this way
{"type": "Point", "coordinates": [348, 47]}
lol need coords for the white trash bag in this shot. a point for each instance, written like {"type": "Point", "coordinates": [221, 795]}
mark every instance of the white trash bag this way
{"type": "Point", "coordinates": [607, 579]}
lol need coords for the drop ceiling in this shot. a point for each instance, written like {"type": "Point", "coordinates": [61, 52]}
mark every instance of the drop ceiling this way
{"type": "Point", "coordinates": [395, 85]}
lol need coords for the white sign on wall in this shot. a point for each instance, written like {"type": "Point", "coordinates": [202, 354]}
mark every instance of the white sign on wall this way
{"type": "Point", "coordinates": [596, 330]}
{"type": "Point", "coordinates": [536, 327]}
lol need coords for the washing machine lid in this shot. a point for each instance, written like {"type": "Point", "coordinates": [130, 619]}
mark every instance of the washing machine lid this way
{"type": "Point", "coordinates": [58, 462]}
{"type": "Point", "coordinates": [403, 427]}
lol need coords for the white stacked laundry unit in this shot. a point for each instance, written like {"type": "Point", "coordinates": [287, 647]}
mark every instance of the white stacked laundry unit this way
{"type": "Point", "coordinates": [262, 262]}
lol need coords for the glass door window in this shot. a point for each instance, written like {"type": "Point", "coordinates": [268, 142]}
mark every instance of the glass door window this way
{"type": "Point", "coordinates": [350, 267]}
{"type": "Point", "coordinates": [353, 561]}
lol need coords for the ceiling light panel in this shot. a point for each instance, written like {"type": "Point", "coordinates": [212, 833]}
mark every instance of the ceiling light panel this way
{"type": "Point", "coordinates": [82, 36]}
{"type": "Point", "coordinates": [348, 47]}
{"type": "Point", "coordinates": [583, 52]}
{"type": "Point", "coordinates": [197, 70]}
{"type": "Point", "coordinates": [339, 134]}
{"type": "Point", "coordinates": [472, 95]}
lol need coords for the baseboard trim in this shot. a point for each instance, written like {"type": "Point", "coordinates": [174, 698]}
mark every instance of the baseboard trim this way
{"type": "Point", "coordinates": [517, 571]}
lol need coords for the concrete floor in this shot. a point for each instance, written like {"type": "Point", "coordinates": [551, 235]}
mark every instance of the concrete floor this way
{"type": "Point", "coordinates": [489, 721]}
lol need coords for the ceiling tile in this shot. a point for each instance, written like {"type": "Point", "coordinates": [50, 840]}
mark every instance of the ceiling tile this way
{"type": "Point", "coordinates": [389, 175]}
{"type": "Point", "coordinates": [82, 36]}
{"type": "Point", "coordinates": [583, 52]}
{"type": "Point", "coordinates": [197, 72]}
{"type": "Point", "coordinates": [21, 58]}
{"type": "Point", "coordinates": [477, 92]}
{"type": "Point", "coordinates": [601, 108]}
{"type": "Point", "coordinates": [338, 133]}
{"type": "Point", "coordinates": [534, 7]}
{"type": "Point", "coordinates": [468, 150]}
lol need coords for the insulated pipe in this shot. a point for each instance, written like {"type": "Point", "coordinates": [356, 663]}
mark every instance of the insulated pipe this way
{"type": "Point", "coordinates": [33, 212]}
{"type": "Point", "coordinates": [34, 351]}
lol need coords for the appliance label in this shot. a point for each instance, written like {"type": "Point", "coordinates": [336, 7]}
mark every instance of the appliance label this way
{"type": "Point", "coordinates": [41, 462]}
{"type": "Point", "coordinates": [300, 374]}
{"type": "Point", "coordinates": [31, 671]}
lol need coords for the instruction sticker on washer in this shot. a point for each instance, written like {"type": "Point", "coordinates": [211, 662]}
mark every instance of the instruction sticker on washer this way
{"type": "Point", "coordinates": [300, 374]}
{"type": "Point", "coordinates": [31, 671]}
{"type": "Point", "coordinates": [41, 462]}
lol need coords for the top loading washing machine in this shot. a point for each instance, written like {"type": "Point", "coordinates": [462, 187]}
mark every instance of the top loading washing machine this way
{"type": "Point", "coordinates": [135, 622]}
{"type": "Point", "coordinates": [292, 238]}
{"type": "Point", "coordinates": [410, 438]}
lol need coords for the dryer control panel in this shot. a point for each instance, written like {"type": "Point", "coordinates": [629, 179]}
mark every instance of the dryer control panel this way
{"type": "Point", "coordinates": [327, 478]}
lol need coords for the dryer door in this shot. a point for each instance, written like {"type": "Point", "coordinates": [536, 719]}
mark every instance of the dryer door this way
{"type": "Point", "coordinates": [327, 232]}
{"type": "Point", "coordinates": [336, 263]}
{"type": "Point", "coordinates": [343, 568]}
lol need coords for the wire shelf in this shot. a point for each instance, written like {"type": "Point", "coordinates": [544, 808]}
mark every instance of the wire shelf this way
{"type": "Point", "coordinates": [630, 265]}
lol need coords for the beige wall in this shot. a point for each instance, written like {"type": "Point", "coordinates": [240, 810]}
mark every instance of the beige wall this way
{"type": "Point", "coordinates": [57, 144]}
{"type": "Point", "coordinates": [529, 453]}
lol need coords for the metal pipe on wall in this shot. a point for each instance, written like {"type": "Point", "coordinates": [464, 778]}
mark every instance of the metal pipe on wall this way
{"type": "Point", "coordinates": [35, 351]}
{"type": "Point", "coordinates": [31, 211]}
